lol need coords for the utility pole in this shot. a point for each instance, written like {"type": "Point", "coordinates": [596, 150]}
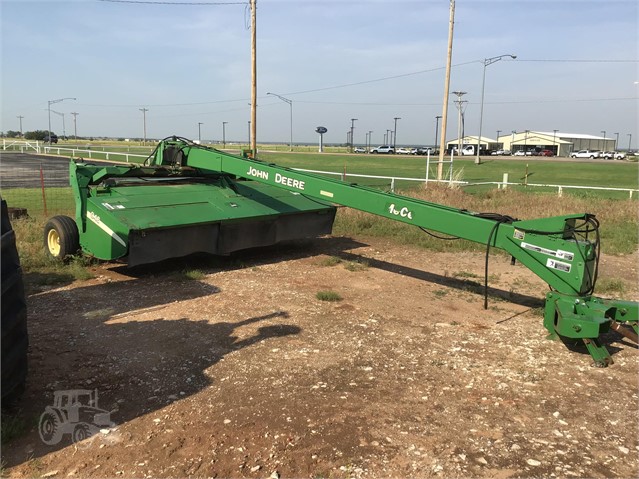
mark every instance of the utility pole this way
{"type": "Point", "coordinates": [498, 132]}
{"type": "Point", "coordinates": [629, 141]}
{"type": "Point", "coordinates": [353, 120]}
{"type": "Point", "coordinates": [144, 110]}
{"type": "Point", "coordinates": [199, 131]}
{"type": "Point", "coordinates": [370, 140]}
{"type": "Point", "coordinates": [460, 104]}
{"type": "Point", "coordinates": [449, 59]}
{"type": "Point", "coordinates": [437, 118]}
{"type": "Point", "coordinates": [604, 141]}
{"type": "Point", "coordinates": [387, 141]}
{"type": "Point", "coordinates": [75, 124]}
{"type": "Point", "coordinates": [253, 133]}
{"type": "Point", "coordinates": [617, 141]}
{"type": "Point", "coordinates": [20, 117]}
{"type": "Point", "coordinates": [224, 134]}
{"type": "Point", "coordinates": [395, 138]}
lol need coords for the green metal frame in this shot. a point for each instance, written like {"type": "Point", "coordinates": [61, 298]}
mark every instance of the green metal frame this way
{"type": "Point", "coordinates": [549, 247]}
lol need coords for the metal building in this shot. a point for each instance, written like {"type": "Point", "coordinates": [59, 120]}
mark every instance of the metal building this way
{"type": "Point", "coordinates": [560, 143]}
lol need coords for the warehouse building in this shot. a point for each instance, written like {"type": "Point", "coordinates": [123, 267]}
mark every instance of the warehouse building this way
{"type": "Point", "coordinates": [561, 144]}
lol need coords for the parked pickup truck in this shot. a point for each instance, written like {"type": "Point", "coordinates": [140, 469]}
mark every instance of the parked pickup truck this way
{"type": "Point", "coordinates": [609, 155]}
{"type": "Point", "coordinates": [586, 154]}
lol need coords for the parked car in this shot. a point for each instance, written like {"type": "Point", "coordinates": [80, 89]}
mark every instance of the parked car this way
{"type": "Point", "coordinates": [586, 154]}
{"type": "Point", "coordinates": [403, 151]}
{"type": "Point", "coordinates": [546, 153]}
{"type": "Point", "coordinates": [54, 138]}
{"type": "Point", "coordinates": [500, 153]}
{"type": "Point", "coordinates": [425, 150]}
{"type": "Point", "coordinates": [607, 155]}
{"type": "Point", "coordinates": [619, 155]}
{"type": "Point", "coordinates": [519, 153]}
{"type": "Point", "coordinates": [383, 150]}
{"type": "Point", "coordinates": [359, 149]}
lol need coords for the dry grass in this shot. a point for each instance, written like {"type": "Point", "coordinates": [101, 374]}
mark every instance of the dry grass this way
{"type": "Point", "coordinates": [619, 222]}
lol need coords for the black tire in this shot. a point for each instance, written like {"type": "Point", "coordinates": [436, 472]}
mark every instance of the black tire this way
{"type": "Point", "coordinates": [374, 152]}
{"type": "Point", "coordinates": [81, 431]}
{"type": "Point", "coordinates": [61, 238]}
{"type": "Point", "coordinates": [49, 428]}
{"type": "Point", "coordinates": [15, 338]}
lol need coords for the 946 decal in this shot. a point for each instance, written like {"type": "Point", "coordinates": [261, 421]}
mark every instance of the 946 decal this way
{"type": "Point", "coordinates": [403, 212]}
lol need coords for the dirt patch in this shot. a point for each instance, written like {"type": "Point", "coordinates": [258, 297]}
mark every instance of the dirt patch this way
{"type": "Point", "coordinates": [245, 373]}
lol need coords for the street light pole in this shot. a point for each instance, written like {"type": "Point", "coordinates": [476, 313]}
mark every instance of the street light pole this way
{"type": "Point", "coordinates": [199, 131]}
{"type": "Point", "coordinates": [554, 141]}
{"type": "Point", "coordinates": [617, 140]}
{"type": "Point", "coordinates": [290, 104]}
{"type": "Point", "coordinates": [437, 131]}
{"type": "Point", "coordinates": [353, 120]}
{"type": "Point", "coordinates": [486, 62]}
{"type": "Point", "coordinates": [51, 102]}
{"type": "Point", "coordinates": [395, 138]}
{"type": "Point", "coordinates": [64, 129]}
{"type": "Point", "coordinates": [224, 134]}
{"type": "Point", "coordinates": [604, 140]}
{"type": "Point", "coordinates": [370, 140]}
{"type": "Point", "coordinates": [75, 125]}
{"type": "Point", "coordinates": [144, 110]}
{"type": "Point", "coordinates": [20, 117]}
{"type": "Point", "coordinates": [629, 141]}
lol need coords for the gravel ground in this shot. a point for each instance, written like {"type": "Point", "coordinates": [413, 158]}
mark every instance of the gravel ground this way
{"type": "Point", "coordinates": [243, 372]}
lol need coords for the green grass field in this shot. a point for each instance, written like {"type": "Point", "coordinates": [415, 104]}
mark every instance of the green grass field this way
{"type": "Point", "coordinates": [616, 174]}
{"type": "Point", "coordinates": [609, 174]}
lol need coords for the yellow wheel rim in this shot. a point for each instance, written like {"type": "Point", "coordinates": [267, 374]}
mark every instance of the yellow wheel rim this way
{"type": "Point", "coordinates": [53, 242]}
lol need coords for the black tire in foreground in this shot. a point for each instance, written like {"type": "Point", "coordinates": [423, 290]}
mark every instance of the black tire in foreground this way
{"type": "Point", "coordinates": [15, 339]}
{"type": "Point", "coordinates": [61, 238]}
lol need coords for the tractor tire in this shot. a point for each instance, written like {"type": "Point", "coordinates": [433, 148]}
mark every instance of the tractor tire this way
{"type": "Point", "coordinates": [61, 238]}
{"type": "Point", "coordinates": [15, 339]}
{"type": "Point", "coordinates": [50, 429]}
{"type": "Point", "coordinates": [81, 431]}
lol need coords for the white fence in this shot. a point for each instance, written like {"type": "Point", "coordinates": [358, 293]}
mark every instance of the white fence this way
{"type": "Point", "coordinates": [92, 154]}
{"type": "Point", "coordinates": [126, 157]}
{"type": "Point", "coordinates": [499, 184]}
{"type": "Point", "coordinates": [21, 145]}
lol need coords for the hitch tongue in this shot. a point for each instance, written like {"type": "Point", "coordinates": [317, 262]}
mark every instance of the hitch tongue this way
{"type": "Point", "coordinates": [624, 331]}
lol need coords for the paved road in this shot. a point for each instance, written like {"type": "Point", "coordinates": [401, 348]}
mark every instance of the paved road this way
{"type": "Point", "coordinates": [22, 170]}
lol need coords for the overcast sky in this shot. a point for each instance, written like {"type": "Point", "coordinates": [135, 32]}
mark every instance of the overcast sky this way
{"type": "Point", "coordinates": [576, 68]}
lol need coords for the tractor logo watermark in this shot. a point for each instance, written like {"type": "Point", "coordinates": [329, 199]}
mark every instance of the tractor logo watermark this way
{"type": "Point", "coordinates": [74, 412]}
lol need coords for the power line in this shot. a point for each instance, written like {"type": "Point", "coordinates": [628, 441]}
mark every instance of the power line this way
{"type": "Point", "coordinates": [149, 2]}
{"type": "Point", "coordinates": [377, 79]}
{"type": "Point", "coordinates": [579, 61]}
